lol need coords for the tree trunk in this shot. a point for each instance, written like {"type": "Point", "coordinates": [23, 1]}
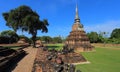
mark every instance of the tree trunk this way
{"type": "Point", "coordinates": [34, 40]}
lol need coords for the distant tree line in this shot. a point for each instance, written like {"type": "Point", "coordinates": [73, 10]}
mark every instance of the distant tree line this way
{"type": "Point", "coordinates": [102, 37]}
{"type": "Point", "coordinates": [9, 36]}
{"type": "Point", "coordinates": [48, 39]}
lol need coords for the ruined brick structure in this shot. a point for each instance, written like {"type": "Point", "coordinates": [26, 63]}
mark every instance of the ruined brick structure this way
{"type": "Point", "coordinates": [78, 38]}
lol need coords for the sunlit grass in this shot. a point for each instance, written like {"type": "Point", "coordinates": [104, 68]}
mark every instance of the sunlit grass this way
{"type": "Point", "coordinates": [55, 46]}
{"type": "Point", "coordinates": [104, 59]}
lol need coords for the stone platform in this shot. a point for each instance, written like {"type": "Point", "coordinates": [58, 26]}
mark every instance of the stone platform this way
{"type": "Point", "coordinates": [55, 61]}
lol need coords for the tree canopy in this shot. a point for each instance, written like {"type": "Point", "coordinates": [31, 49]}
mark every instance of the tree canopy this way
{"type": "Point", "coordinates": [115, 33]}
{"type": "Point", "coordinates": [8, 33]}
{"type": "Point", "coordinates": [10, 36]}
{"type": "Point", "coordinates": [25, 19]}
{"type": "Point", "coordinates": [93, 36]}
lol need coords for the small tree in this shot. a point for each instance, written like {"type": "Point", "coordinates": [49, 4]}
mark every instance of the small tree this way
{"type": "Point", "coordinates": [115, 36]}
{"type": "Point", "coordinates": [46, 39]}
{"type": "Point", "coordinates": [115, 33]}
{"type": "Point", "coordinates": [57, 39]}
{"type": "Point", "coordinates": [25, 19]}
{"type": "Point", "coordinates": [93, 36]}
{"type": "Point", "coordinates": [11, 35]}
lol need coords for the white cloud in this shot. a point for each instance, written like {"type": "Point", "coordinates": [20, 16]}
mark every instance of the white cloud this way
{"type": "Point", "coordinates": [107, 26]}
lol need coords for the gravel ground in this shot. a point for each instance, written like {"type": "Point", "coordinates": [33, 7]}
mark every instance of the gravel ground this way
{"type": "Point", "coordinates": [26, 64]}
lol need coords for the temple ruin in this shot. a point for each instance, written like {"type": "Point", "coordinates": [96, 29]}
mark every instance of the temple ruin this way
{"type": "Point", "coordinates": [77, 38]}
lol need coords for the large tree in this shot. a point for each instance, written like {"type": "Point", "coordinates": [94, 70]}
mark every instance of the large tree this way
{"type": "Point", "coordinates": [25, 19]}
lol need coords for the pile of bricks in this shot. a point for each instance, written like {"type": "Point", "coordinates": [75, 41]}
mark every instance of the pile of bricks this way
{"type": "Point", "coordinates": [56, 61]}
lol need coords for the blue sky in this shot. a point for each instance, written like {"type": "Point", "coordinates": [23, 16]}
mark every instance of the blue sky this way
{"type": "Point", "coordinates": [95, 15]}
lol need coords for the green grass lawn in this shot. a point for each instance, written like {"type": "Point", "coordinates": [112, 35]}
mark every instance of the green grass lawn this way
{"type": "Point", "coordinates": [55, 46]}
{"type": "Point", "coordinates": [104, 59]}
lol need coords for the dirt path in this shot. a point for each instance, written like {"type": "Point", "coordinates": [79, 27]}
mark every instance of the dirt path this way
{"type": "Point", "coordinates": [25, 65]}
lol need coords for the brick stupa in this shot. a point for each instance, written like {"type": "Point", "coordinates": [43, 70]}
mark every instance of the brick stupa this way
{"type": "Point", "coordinates": [78, 38]}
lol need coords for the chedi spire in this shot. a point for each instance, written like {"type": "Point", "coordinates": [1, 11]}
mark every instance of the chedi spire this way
{"type": "Point", "coordinates": [77, 19]}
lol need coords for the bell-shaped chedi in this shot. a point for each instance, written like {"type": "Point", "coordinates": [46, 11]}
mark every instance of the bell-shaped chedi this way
{"type": "Point", "coordinates": [78, 38]}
